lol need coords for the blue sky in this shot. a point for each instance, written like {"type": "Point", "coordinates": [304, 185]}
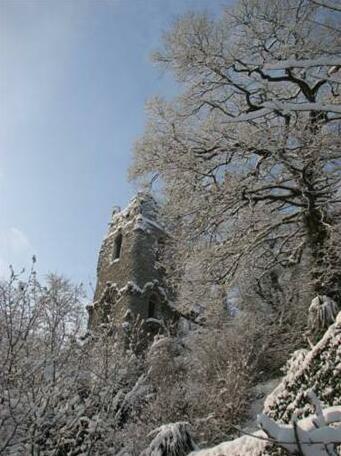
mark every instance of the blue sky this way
{"type": "Point", "coordinates": [74, 78]}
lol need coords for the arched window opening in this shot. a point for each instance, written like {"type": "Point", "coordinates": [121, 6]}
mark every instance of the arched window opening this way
{"type": "Point", "coordinates": [117, 246]}
{"type": "Point", "coordinates": [154, 300]}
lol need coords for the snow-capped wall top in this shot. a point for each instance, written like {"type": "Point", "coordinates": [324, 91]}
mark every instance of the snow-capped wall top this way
{"type": "Point", "coordinates": [142, 204]}
{"type": "Point", "coordinates": [140, 214]}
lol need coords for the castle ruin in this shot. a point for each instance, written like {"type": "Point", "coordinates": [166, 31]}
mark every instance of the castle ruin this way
{"type": "Point", "coordinates": [129, 280]}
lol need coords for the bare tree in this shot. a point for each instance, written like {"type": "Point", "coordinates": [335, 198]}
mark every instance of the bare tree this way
{"type": "Point", "coordinates": [38, 325]}
{"type": "Point", "coordinates": [249, 153]}
{"type": "Point", "coordinates": [63, 391]}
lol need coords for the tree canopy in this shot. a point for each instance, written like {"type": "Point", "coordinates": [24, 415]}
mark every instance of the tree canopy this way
{"type": "Point", "coordinates": [249, 152]}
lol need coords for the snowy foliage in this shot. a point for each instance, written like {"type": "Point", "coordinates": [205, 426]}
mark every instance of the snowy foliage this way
{"type": "Point", "coordinates": [318, 370]}
{"type": "Point", "coordinates": [172, 439]}
{"type": "Point", "coordinates": [248, 156]}
{"type": "Point", "coordinates": [313, 429]}
{"type": "Point", "coordinates": [316, 435]}
{"type": "Point", "coordinates": [98, 396]}
{"type": "Point", "coordinates": [313, 436]}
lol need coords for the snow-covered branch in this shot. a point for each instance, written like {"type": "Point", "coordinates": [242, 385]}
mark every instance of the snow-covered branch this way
{"type": "Point", "coordinates": [316, 435]}
{"type": "Point", "coordinates": [271, 106]}
{"type": "Point", "coordinates": [312, 436]}
{"type": "Point", "coordinates": [173, 439]}
{"type": "Point", "coordinates": [308, 63]}
{"type": "Point", "coordinates": [327, 4]}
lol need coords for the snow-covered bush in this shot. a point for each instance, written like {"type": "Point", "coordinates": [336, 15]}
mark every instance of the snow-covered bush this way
{"type": "Point", "coordinates": [173, 439]}
{"type": "Point", "coordinates": [204, 378]}
{"type": "Point", "coordinates": [223, 364]}
{"type": "Point", "coordinates": [38, 370]}
{"type": "Point", "coordinates": [318, 369]}
{"type": "Point", "coordinates": [62, 393]}
{"type": "Point", "coordinates": [295, 421]}
{"type": "Point", "coordinates": [317, 435]}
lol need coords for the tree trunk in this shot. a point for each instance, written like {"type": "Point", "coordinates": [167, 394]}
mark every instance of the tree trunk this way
{"type": "Point", "coordinates": [325, 271]}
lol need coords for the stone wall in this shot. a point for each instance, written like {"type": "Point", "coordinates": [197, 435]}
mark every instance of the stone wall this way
{"type": "Point", "coordinates": [131, 284]}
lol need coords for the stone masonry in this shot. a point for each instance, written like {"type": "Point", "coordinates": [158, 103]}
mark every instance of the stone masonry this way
{"type": "Point", "coordinates": [129, 281]}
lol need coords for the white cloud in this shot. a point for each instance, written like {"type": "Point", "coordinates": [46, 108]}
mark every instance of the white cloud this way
{"type": "Point", "coordinates": [15, 250]}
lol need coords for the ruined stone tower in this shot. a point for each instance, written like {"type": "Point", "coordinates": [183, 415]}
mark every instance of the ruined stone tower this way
{"type": "Point", "coordinates": [129, 282]}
